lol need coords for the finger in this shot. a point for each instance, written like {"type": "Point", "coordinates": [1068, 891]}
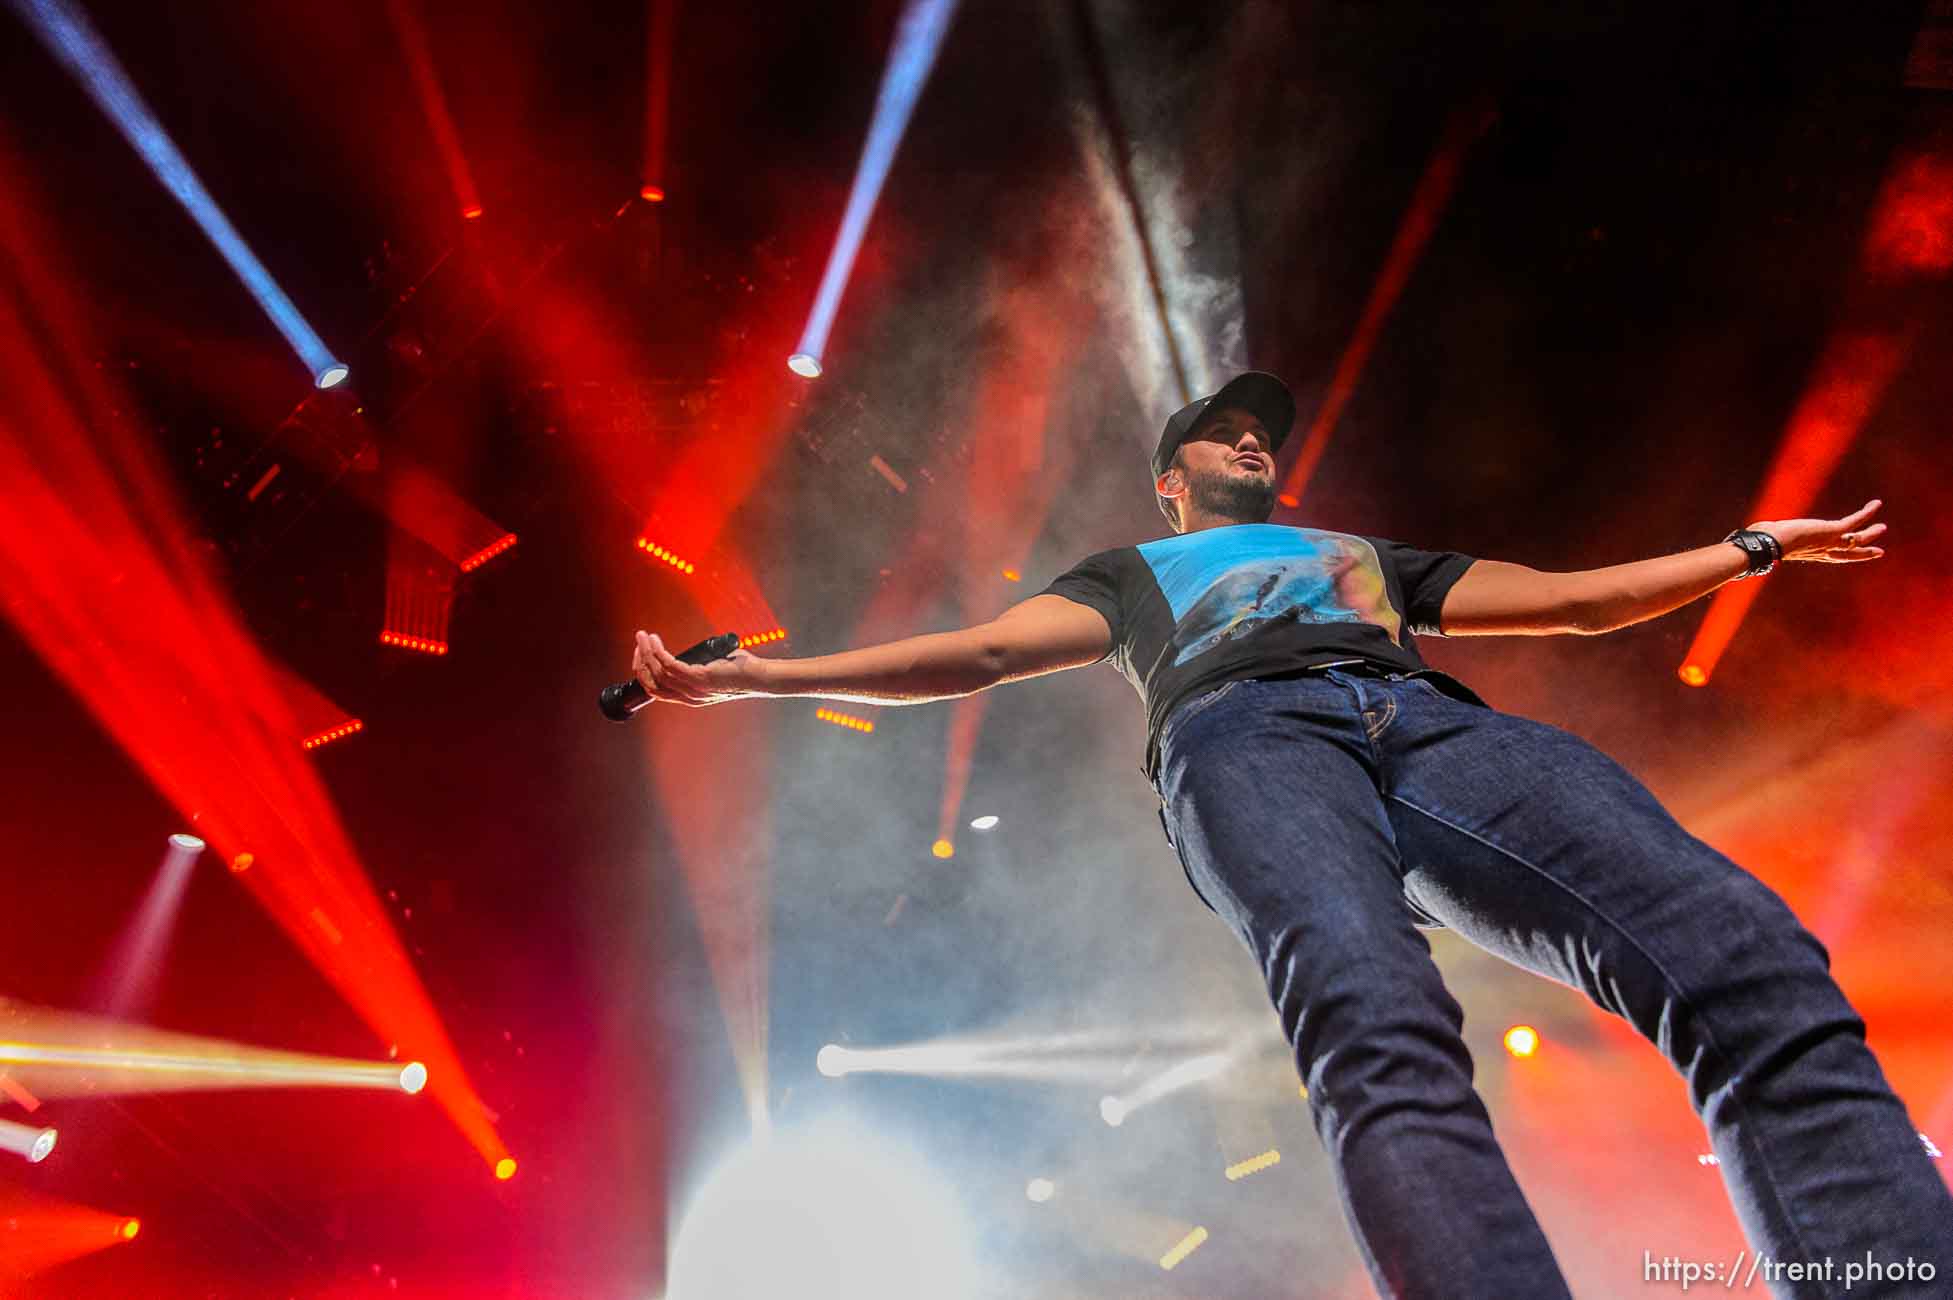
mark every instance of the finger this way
{"type": "Point", "coordinates": [1858, 537]}
{"type": "Point", "coordinates": [1860, 515]}
{"type": "Point", "coordinates": [666, 674]}
{"type": "Point", "coordinates": [678, 676]}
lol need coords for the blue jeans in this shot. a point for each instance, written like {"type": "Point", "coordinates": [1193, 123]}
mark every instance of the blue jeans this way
{"type": "Point", "coordinates": [1328, 817]}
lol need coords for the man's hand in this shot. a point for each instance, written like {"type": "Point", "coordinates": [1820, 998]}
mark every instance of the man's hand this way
{"type": "Point", "coordinates": [665, 678]}
{"type": "Point", "coordinates": [1829, 541]}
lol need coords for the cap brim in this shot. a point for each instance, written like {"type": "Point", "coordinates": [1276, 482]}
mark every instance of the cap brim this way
{"type": "Point", "coordinates": [1265, 397]}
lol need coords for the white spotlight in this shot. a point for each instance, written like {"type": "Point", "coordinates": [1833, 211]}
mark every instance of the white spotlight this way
{"type": "Point", "coordinates": [827, 1214]}
{"type": "Point", "coordinates": [805, 364]}
{"type": "Point", "coordinates": [188, 843]}
{"type": "Point", "coordinates": [1040, 1190]}
{"type": "Point", "coordinates": [832, 1061]}
{"type": "Point", "coordinates": [24, 1140]}
{"type": "Point", "coordinates": [984, 823]}
{"type": "Point", "coordinates": [333, 375]}
{"type": "Point", "coordinates": [413, 1078]}
{"type": "Point", "coordinates": [1112, 1111]}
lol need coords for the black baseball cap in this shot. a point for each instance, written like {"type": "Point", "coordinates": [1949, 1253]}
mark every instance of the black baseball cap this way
{"type": "Point", "coordinates": [1256, 391]}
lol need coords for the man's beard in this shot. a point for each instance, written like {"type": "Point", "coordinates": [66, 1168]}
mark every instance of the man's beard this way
{"type": "Point", "coordinates": [1242, 498]}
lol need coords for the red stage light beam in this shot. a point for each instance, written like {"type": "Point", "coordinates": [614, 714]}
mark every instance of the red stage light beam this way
{"type": "Point", "coordinates": [1427, 205]}
{"type": "Point", "coordinates": [657, 97]}
{"type": "Point", "coordinates": [38, 1232]}
{"type": "Point", "coordinates": [1908, 244]}
{"type": "Point", "coordinates": [104, 580]}
{"type": "Point", "coordinates": [1850, 377]}
{"type": "Point", "coordinates": [413, 44]}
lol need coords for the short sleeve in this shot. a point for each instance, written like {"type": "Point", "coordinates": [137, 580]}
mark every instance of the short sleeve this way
{"type": "Point", "coordinates": [1425, 578]}
{"type": "Point", "coordinates": [1094, 582]}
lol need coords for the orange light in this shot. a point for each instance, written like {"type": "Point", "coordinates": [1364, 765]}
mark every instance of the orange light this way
{"type": "Point", "coordinates": [1522, 1040]}
{"type": "Point", "coordinates": [652, 194]}
{"type": "Point", "coordinates": [487, 553]}
{"type": "Point", "coordinates": [471, 213]}
{"type": "Point", "coordinates": [849, 721]}
{"type": "Point", "coordinates": [420, 643]}
{"type": "Point", "coordinates": [1253, 1165]}
{"type": "Point", "coordinates": [326, 737]}
{"type": "Point", "coordinates": [1012, 575]}
{"type": "Point", "coordinates": [1693, 674]}
{"type": "Point", "coordinates": [943, 849]}
{"type": "Point", "coordinates": [242, 862]}
{"type": "Point", "coordinates": [763, 638]}
{"type": "Point", "coordinates": [505, 1168]}
{"type": "Point", "coordinates": [129, 1229]}
{"type": "Point", "coordinates": [1290, 500]}
{"type": "Point", "coordinates": [657, 552]}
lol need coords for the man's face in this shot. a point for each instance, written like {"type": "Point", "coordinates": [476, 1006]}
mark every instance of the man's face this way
{"type": "Point", "coordinates": [1229, 468]}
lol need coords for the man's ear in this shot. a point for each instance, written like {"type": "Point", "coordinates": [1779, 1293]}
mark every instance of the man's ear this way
{"type": "Point", "coordinates": [1170, 484]}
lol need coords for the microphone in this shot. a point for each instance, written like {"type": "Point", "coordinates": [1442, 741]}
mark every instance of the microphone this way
{"type": "Point", "coordinates": [621, 699]}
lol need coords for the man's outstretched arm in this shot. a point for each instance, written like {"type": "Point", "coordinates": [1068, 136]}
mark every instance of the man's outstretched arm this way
{"type": "Point", "coordinates": [1494, 598]}
{"type": "Point", "coordinates": [1044, 634]}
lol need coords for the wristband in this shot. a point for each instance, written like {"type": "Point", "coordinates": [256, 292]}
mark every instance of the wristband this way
{"type": "Point", "coordinates": [1761, 550]}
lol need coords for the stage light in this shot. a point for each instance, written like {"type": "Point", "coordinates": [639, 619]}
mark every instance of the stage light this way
{"type": "Point", "coordinates": [333, 375]}
{"type": "Point", "coordinates": [652, 194]}
{"type": "Point", "coordinates": [1012, 575]}
{"type": "Point", "coordinates": [75, 43]}
{"type": "Point", "coordinates": [331, 734]}
{"type": "Point", "coordinates": [505, 1168]}
{"type": "Point", "coordinates": [413, 1078]}
{"type": "Point", "coordinates": [984, 823]}
{"type": "Point", "coordinates": [839, 1213]}
{"type": "Point", "coordinates": [847, 720]}
{"type": "Point", "coordinates": [918, 36]}
{"type": "Point", "coordinates": [26, 1141]}
{"type": "Point", "coordinates": [657, 552]}
{"type": "Point", "coordinates": [130, 973]}
{"type": "Point", "coordinates": [420, 63]}
{"type": "Point", "coordinates": [1693, 674]}
{"type": "Point", "coordinates": [1188, 1245]}
{"type": "Point", "coordinates": [1040, 1190]}
{"type": "Point", "coordinates": [1522, 1040]}
{"type": "Point", "coordinates": [1253, 1165]}
{"type": "Point", "coordinates": [1112, 1111]}
{"type": "Point", "coordinates": [422, 644]}
{"type": "Point", "coordinates": [129, 1229]}
{"type": "Point", "coordinates": [487, 553]}
{"type": "Point", "coordinates": [763, 638]}
{"type": "Point", "coordinates": [242, 862]}
{"type": "Point", "coordinates": [1420, 219]}
{"type": "Point", "coordinates": [943, 849]}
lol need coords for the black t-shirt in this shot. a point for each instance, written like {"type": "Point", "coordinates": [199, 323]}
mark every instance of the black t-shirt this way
{"type": "Point", "coordinates": [1194, 611]}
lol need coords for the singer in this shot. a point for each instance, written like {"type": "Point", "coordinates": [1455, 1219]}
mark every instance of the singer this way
{"type": "Point", "coordinates": [1330, 796]}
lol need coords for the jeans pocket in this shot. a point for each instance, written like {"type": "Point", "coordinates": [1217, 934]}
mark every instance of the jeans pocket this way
{"type": "Point", "coordinates": [1197, 705]}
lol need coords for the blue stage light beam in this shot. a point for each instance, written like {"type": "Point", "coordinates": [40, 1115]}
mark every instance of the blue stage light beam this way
{"type": "Point", "coordinates": [75, 43]}
{"type": "Point", "coordinates": [917, 38]}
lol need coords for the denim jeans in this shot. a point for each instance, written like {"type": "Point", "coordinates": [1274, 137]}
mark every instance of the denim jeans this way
{"type": "Point", "coordinates": [1328, 818]}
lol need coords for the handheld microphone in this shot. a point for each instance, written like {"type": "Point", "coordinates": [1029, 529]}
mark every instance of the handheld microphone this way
{"type": "Point", "coordinates": [621, 699]}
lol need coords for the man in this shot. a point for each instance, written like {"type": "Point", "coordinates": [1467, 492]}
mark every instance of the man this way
{"type": "Point", "coordinates": [1329, 796]}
